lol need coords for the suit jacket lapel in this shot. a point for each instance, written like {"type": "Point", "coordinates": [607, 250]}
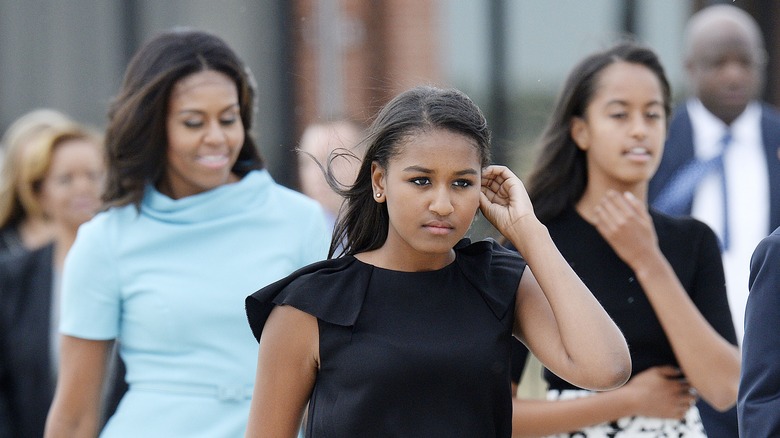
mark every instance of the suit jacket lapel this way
{"type": "Point", "coordinates": [678, 150]}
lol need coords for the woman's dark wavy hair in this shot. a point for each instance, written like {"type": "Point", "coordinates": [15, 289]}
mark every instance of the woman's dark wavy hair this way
{"type": "Point", "coordinates": [559, 175]}
{"type": "Point", "coordinates": [363, 223]}
{"type": "Point", "coordinates": [136, 137]}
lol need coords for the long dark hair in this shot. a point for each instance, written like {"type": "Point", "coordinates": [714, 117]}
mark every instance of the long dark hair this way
{"type": "Point", "coordinates": [136, 137]}
{"type": "Point", "coordinates": [559, 176]}
{"type": "Point", "coordinates": [363, 223]}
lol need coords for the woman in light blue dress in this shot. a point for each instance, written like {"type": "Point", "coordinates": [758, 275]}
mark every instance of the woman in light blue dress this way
{"type": "Point", "coordinates": [194, 224]}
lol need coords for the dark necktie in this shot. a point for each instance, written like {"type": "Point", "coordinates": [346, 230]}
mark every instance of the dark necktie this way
{"type": "Point", "coordinates": [676, 197]}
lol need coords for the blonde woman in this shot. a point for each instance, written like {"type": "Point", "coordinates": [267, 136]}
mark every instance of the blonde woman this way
{"type": "Point", "coordinates": [65, 169]}
{"type": "Point", "coordinates": [22, 222]}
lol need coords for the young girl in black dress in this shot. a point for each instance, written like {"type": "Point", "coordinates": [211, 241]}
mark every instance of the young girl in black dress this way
{"type": "Point", "coordinates": [660, 278]}
{"type": "Point", "coordinates": [408, 332]}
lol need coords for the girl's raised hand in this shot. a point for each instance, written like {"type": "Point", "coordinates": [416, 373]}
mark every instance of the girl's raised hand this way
{"type": "Point", "coordinates": [624, 222]}
{"type": "Point", "coordinates": [504, 200]}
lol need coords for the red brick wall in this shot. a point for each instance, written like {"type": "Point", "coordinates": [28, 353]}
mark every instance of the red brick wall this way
{"type": "Point", "coordinates": [394, 47]}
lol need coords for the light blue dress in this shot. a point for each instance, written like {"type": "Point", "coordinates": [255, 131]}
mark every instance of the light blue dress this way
{"type": "Point", "coordinates": [170, 284]}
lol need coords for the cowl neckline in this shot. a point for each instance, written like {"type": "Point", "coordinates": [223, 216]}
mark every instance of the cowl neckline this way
{"type": "Point", "coordinates": [220, 202]}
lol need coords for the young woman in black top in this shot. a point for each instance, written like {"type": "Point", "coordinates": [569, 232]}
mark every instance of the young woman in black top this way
{"type": "Point", "coordinates": [660, 278]}
{"type": "Point", "coordinates": [408, 332]}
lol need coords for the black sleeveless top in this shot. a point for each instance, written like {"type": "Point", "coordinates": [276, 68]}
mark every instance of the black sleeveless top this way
{"type": "Point", "coordinates": [407, 354]}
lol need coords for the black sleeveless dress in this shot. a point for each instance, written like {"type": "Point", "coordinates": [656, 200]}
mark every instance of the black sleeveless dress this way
{"type": "Point", "coordinates": [407, 354]}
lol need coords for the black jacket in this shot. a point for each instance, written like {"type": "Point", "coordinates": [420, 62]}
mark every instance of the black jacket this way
{"type": "Point", "coordinates": [26, 381]}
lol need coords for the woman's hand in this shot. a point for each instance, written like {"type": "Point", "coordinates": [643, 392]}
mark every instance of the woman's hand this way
{"type": "Point", "coordinates": [661, 392]}
{"type": "Point", "coordinates": [504, 200]}
{"type": "Point", "coordinates": [624, 222]}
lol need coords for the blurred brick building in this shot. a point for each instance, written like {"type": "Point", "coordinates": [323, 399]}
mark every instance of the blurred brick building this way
{"type": "Point", "coordinates": [324, 59]}
{"type": "Point", "coordinates": [351, 56]}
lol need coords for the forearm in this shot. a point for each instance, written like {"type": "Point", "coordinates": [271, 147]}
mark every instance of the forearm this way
{"type": "Point", "coordinates": [59, 425]}
{"type": "Point", "coordinates": [534, 418]}
{"type": "Point", "coordinates": [75, 410]}
{"type": "Point", "coordinates": [72, 416]}
{"type": "Point", "coordinates": [709, 362]}
{"type": "Point", "coordinates": [588, 335]}
{"type": "Point", "coordinates": [568, 296]}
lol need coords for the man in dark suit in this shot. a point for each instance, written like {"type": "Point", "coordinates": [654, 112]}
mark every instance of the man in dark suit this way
{"type": "Point", "coordinates": [759, 388]}
{"type": "Point", "coordinates": [721, 162]}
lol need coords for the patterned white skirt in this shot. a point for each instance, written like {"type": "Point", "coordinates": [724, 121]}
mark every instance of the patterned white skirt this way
{"type": "Point", "coordinates": [634, 427]}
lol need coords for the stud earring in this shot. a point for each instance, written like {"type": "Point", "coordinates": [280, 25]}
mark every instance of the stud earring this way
{"type": "Point", "coordinates": [378, 194]}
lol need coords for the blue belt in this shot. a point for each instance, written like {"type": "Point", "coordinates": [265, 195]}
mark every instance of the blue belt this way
{"type": "Point", "coordinates": [219, 392]}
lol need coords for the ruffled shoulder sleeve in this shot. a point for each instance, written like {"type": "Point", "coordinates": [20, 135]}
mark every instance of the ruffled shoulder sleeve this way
{"type": "Point", "coordinates": [493, 270]}
{"type": "Point", "coordinates": [331, 290]}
